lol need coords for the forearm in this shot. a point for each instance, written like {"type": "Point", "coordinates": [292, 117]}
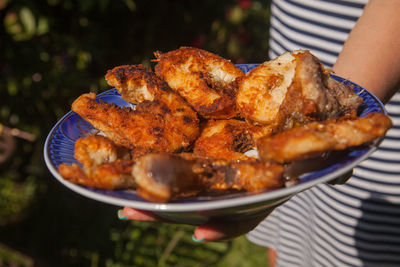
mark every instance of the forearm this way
{"type": "Point", "coordinates": [371, 54]}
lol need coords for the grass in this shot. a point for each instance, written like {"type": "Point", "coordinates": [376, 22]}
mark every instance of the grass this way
{"type": "Point", "coordinates": [171, 245]}
{"type": "Point", "coordinates": [147, 244]}
{"type": "Point", "coordinates": [243, 253]}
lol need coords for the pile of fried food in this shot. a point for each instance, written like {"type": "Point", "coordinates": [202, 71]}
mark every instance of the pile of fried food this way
{"type": "Point", "coordinates": [197, 115]}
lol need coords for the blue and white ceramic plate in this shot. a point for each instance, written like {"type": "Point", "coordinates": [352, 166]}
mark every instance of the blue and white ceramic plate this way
{"type": "Point", "coordinates": [59, 148]}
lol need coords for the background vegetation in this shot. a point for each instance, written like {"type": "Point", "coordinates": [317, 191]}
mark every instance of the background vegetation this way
{"type": "Point", "coordinates": [51, 51]}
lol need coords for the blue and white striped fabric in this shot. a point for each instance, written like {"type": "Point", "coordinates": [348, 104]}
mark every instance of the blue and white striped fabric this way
{"type": "Point", "coordinates": [355, 224]}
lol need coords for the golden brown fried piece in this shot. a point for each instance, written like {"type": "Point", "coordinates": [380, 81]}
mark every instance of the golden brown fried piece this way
{"type": "Point", "coordinates": [109, 176]}
{"type": "Point", "coordinates": [164, 177]}
{"type": "Point", "coordinates": [228, 139]}
{"type": "Point", "coordinates": [150, 126]}
{"type": "Point", "coordinates": [95, 150]}
{"type": "Point", "coordinates": [315, 95]}
{"type": "Point", "coordinates": [141, 86]}
{"type": "Point", "coordinates": [104, 165]}
{"type": "Point", "coordinates": [292, 90]}
{"type": "Point", "coordinates": [136, 84]}
{"type": "Point", "coordinates": [316, 138]}
{"type": "Point", "coordinates": [263, 89]}
{"type": "Point", "coordinates": [205, 80]}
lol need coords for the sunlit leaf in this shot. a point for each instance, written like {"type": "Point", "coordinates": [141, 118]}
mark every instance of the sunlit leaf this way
{"type": "Point", "coordinates": [130, 4]}
{"type": "Point", "coordinates": [11, 23]}
{"type": "Point", "coordinates": [12, 87]}
{"type": "Point", "coordinates": [28, 20]}
{"type": "Point", "coordinates": [27, 81]}
{"type": "Point", "coordinates": [234, 47]}
{"type": "Point", "coordinates": [236, 15]}
{"type": "Point", "coordinates": [83, 59]}
{"type": "Point", "coordinates": [43, 26]}
{"type": "Point", "coordinates": [44, 56]}
{"type": "Point", "coordinates": [4, 112]}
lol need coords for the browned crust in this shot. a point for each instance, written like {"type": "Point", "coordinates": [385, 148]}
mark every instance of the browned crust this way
{"type": "Point", "coordinates": [150, 128]}
{"type": "Point", "coordinates": [228, 139]}
{"type": "Point", "coordinates": [189, 71]}
{"type": "Point", "coordinates": [316, 138]}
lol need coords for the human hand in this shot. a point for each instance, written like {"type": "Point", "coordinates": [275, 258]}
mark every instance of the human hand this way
{"type": "Point", "coordinates": [210, 231]}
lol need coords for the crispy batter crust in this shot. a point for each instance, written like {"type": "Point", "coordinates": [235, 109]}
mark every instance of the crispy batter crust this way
{"type": "Point", "coordinates": [95, 150]}
{"type": "Point", "coordinates": [164, 177]}
{"type": "Point", "coordinates": [109, 176]}
{"type": "Point", "coordinates": [317, 138]}
{"type": "Point", "coordinates": [292, 90]}
{"type": "Point", "coordinates": [151, 127]}
{"type": "Point", "coordinates": [228, 139]}
{"type": "Point", "coordinates": [205, 80]}
{"type": "Point", "coordinates": [152, 95]}
{"type": "Point", "coordinates": [135, 83]}
{"type": "Point", "coordinates": [263, 89]}
{"type": "Point", "coordinates": [314, 95]}
{"type": "Point", "coordinates": [104, 165]}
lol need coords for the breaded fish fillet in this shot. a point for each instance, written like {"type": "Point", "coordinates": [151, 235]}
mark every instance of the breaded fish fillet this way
{"type": "Point", "coordinates": [141, 86]}
{"type": "Point", "coordinates": [228, 139]}
{"type": "Point", "coordinates": [263, 89]}
{"type": "Point", "coordinates": [104, 164]}
{"type": "Point", "coordinates": [136, 84]}
{"type": "Point", "coordinates": [164, 177]}
{"type": "Point", "coordinates": [94, 150]}
{"type": "Point", "coordinates": [316, 138]}
{"type": "Point", "coordinates": [207, 81]}
{"type": "Point", "coordinates": [155, 130]}
{"type": "Point", "coordinates": [109, 176]}
{"type": "Point", "coordinates": [292, 90]}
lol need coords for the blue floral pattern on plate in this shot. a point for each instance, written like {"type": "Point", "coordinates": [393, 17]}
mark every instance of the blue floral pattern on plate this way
{"type": "Point", "coordinates": [59, 148]}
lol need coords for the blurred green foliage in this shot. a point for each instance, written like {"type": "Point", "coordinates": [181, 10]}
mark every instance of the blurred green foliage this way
{"type": "Point", "coordinates": [51, 52]}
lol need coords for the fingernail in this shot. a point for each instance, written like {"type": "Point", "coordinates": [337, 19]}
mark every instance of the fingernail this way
{"type": "Point", "coordinates": [121, 215]}
{"type": "Point", "coordinates": [198, 240]}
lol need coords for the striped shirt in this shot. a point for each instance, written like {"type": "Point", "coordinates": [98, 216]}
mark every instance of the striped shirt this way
{"type": "Point", "coordinates": [355, 224]}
